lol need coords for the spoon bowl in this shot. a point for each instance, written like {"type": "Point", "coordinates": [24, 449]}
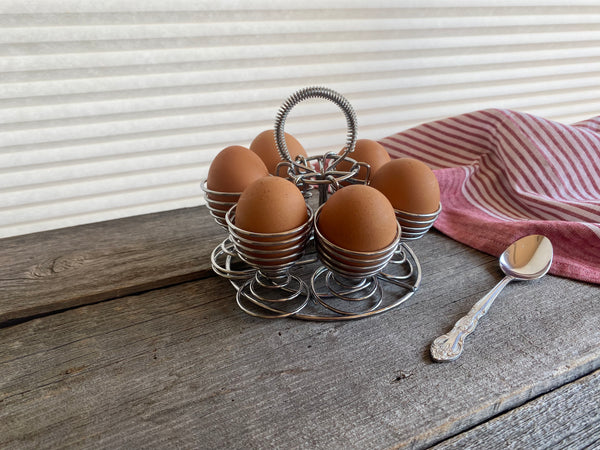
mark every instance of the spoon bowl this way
{"type": "Point", "coordinates": [528, 258]}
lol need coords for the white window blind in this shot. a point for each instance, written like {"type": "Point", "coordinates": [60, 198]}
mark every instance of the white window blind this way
{"type": "Point", "coordinates": [116, 108]}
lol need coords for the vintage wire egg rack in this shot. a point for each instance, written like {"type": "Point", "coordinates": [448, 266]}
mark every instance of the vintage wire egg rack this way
{"type": "Point", "coordinates": [299, 273]}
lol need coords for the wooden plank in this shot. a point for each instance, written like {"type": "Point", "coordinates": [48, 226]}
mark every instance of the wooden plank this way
{"type": "Point", "coordinates": [54, 270]}
{"type": "Point", "coordinates": [567, 417]}
{"type": "Point", "coordinates": [183, 366]}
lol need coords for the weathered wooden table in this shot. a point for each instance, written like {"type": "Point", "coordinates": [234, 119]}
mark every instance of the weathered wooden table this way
{"type": "Point", "coordinates": [118, 335]}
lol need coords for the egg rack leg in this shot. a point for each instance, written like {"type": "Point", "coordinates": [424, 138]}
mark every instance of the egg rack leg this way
{"type": "Point", "coordinates": [350, 290]}
{"type": "Point", "coordinates": [401, 262]}
{"type": "Point", "coordinates": [310, 254]}
{"type": "Point", "coordinates": [364, 294]}
{"type": "Point", "coordinates": [280, 294]}
{"type": "Point", "coordinates": [273, 297]}
{"type": "Point", "coordinates": [223, 260]}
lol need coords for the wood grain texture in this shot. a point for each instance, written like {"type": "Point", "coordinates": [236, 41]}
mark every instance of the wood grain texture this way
{"type": "Point", "coordinates": [54, 270]}
{"type": "Point", "coordinates": [567, 417]}
{"type": "Point", "coordinates": [184, 367]}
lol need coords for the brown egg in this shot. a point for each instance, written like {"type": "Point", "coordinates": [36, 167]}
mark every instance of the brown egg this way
{"type": "Point", "coordinates": [409, 185]}
{"type": "Point", "coordinates": [265, 147]}
{"type": "Point", "coordinates": [271, 205]}
{"type": "Point", "coordinates": [367, 151]}
{"type": "Point", "coordinates": [358, 218]}
{"type": "Point", "coordinates": [231, 171]}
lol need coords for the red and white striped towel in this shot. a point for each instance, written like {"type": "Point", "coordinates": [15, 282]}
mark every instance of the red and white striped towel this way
{"type": "Point", "coordinates": [505, 174]}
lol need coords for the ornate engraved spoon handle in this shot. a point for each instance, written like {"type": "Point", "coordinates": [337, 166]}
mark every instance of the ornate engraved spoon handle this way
{"type": "Point", "coordinates": [449, 347]}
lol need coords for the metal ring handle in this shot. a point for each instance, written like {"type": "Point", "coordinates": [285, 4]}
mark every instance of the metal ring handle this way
{"type": "Point", "coordinates": [312, 92]}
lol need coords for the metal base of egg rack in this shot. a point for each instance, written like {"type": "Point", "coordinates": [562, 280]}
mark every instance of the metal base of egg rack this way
{"type": "Point", "coordinates": [299, 273]}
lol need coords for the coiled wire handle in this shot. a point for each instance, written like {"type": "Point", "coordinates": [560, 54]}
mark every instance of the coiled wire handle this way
{"type": "Point", "coordinates": [315, 92]}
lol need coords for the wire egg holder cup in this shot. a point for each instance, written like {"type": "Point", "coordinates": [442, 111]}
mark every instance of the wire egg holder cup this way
{"type": "Point", "coordinates": [299, 273]}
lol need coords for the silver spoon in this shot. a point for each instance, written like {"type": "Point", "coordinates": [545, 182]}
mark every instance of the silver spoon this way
{"type": "Point", "coordinates": [526, 259]}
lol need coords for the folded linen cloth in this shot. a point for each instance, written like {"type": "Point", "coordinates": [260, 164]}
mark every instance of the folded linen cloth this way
{"type": "Point", "coordinates": [505, 174]}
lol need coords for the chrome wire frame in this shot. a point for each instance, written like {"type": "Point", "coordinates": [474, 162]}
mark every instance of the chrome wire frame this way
{"type": "Point", "coordinates": [323, 174]}
{"type": "Point", "coordinates": [272, 292]}
{"type": "Point", "coordinates": [223, 258]}
{"type": "Point", "coordinates": [379, 304]}
{"type": "Point", "coordinates": [352, 264]}
{"type": "Point", "coordinates": [350, 276]}
{"type": "Point", "coordinates": [271, 253]}
{"type": "Point", "coordinates": [401, 262]}
{"type": "Point", "coordinates": [366, 295]}
{"type": "Point", "coordinates": [218, 208]}
{"type": "Point", "coordinates": [414, 226]}
{"type": "Point", "coordinates": [345, 285]}
{"type": "Point", "coordinates": [345, 290]}
{"type": "Point", "coordinates": [252, 297]}
{"type": "Point", "coordinates": [316, 92]}
{"type": "Point", "coordinates": [316, 172]}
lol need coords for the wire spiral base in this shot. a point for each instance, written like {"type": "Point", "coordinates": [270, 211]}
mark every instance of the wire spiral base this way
{"type": "Point", "coordinates": [357, 296]}
{"type": "Point", "coordinates": [226, 263]}
{"type": "Point", "coordinates": [338, 298]}
{"type": "Point", "coordinates": [273, 298]}
{"type": "Point", "coordinates": [311, 291]}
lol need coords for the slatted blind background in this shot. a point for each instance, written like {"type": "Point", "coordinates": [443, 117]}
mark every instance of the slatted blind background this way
{"type": "Point", "coordinates": [116, 108]}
